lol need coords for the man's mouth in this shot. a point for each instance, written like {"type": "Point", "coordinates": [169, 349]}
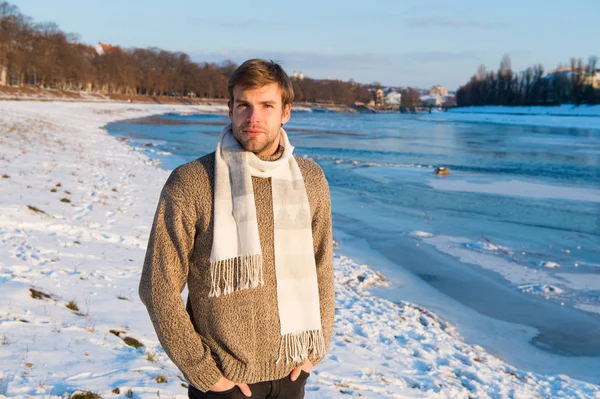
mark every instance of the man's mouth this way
{"type": "Point", "coordinates": [252, 132]}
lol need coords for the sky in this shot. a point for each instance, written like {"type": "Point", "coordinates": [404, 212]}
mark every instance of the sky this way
{"type": "Point", "coordinates": [417, 43]}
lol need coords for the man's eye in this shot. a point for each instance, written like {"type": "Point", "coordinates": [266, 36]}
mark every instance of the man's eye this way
{"type": "Point", "coordinates": [269, 105]}
{"type": "Point", "coordinates": [242, 105]}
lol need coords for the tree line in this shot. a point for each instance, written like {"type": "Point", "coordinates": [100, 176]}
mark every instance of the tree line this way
{"type": "Point", "coordinates": [570, 84]}
{"type": "Point", "coordinates": [43, 56]}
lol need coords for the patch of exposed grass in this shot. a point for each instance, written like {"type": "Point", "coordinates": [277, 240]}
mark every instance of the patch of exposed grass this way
{"type": "Point", "coordinates": [116, 332]}
{"type": "Point", "coordinates": [5, 176]}
{"type": "Point", "coordinates": [161, 379]}
{"type": "Point", "coordinates": [128, 340]}
{"type": "Point", "coordinates": [513, 374]}
{"type": "Point", "coordinates": [73, 306]}
{"type": "Point", "coordinates": [35, 209]}
{"type": "Point", "coordinates": [36, 294]}
{"type": "Point", "coordinates": [67, 192]}
{"type": "Point", "coordinates": [53, 190]}
{"type": "Point", "coordinates": [85, 395]}
{"type": "Point", "coordinates": [151, 357]}
{"type": "Point", "coordinates": [58, 184]}
{"type": "Point", "coordinates": [133, 342]}
{"type": "Point", "coordinates": [117, 391]}
{"type": "Point", "coordinates": [65, 200]}
{"type": "Point", "coordinates": [123, 298]}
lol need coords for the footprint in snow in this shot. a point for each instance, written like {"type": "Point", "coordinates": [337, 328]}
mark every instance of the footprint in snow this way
{"type": "Point", "coordinates": [83, 212]}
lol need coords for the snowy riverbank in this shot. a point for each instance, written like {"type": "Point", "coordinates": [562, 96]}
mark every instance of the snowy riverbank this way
{"type": "Point", "coordinates": [76, 207]}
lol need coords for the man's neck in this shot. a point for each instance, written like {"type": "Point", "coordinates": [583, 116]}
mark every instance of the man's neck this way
{"type": "Point", "coordinates": [274, 156]}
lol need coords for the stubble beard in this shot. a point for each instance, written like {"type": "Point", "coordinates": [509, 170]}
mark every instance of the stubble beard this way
{"type": "Point", "coordinates": [254, 144]}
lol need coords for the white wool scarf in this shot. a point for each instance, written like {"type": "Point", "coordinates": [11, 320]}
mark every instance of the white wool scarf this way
{"type": "Point", "coordinates": [236, 256]}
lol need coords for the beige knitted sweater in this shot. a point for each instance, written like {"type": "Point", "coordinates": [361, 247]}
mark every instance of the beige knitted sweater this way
{"type": "Point", "coordinates": [236, 335]}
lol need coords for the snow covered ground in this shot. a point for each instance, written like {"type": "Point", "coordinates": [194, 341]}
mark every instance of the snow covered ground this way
{"type": "Point", "coordinates": [568, 116]}
{"type": "Point", "coordinates": [76, 206]}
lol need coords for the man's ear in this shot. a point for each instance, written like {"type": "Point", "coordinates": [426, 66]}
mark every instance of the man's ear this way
{"type": "Point", "coordinates": [285, 115]}
{"type": "Point", "coordinates": [229, 105]}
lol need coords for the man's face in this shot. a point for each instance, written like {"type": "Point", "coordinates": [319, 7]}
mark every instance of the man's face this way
{"type": "Point", "coordinates": [256, 117]}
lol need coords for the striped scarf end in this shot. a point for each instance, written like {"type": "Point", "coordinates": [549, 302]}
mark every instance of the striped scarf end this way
{"type": "Point", "coordinates": [295, 347]}
{"type": "Point", "coordinates": [235, 274]}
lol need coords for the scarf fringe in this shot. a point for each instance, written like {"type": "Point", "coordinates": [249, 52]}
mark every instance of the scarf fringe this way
{"type": "Point", "coordinates": [241, 273]}
{"type": "Point", "coordinates": [295, 347]}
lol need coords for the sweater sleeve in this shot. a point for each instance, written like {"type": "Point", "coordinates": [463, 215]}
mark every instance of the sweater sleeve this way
{"type": "Point", "coordinates": [164, 276]}
{"type": "Point", "coordinates": [323, 247]}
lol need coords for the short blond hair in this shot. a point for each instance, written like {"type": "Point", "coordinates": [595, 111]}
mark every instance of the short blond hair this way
{"type": "Point", "coordinates": [256, 73]}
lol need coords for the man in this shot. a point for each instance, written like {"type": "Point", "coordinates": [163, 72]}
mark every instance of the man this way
{"type": "Point", "coordinates": [248, 229]}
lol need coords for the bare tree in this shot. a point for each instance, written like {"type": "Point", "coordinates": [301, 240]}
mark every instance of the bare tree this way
{"type": "Point", "coordinates": [505, 64]}
{"type": "Point", "coordinates": [481, 72]}
{"type": "Point", "coordinates": [410, 98]}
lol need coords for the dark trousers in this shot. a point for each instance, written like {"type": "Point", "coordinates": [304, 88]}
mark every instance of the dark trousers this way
{"type": "Point", "coordinates": [277, 389]}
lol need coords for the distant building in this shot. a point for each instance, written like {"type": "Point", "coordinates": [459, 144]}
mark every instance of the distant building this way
{"type": "Point", "coordinates": [392, 98]}
{"type": "Point", "coordinates": [102, 48]}
{"type": "Point", "coordinates": [435, 101]}
{"type": "Point", "coordinates": [592, 79]}
{"type": "Point", "coordinates": [379, 96]}
{"type": "Point", "coordinates": [438, 90]}
{"type": "Point", "coordinates": [562, 70]}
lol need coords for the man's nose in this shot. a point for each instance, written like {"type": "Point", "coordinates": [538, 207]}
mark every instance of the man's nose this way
{"type": "Point", "coordinates": [253, 115]}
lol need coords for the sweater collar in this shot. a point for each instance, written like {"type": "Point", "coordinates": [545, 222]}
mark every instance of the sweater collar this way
{"type": "Point", "coordinates": [273, 157]}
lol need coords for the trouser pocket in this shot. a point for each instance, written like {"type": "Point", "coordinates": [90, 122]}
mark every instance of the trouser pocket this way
{"type": "Point", "coordinates": [294, 389]}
